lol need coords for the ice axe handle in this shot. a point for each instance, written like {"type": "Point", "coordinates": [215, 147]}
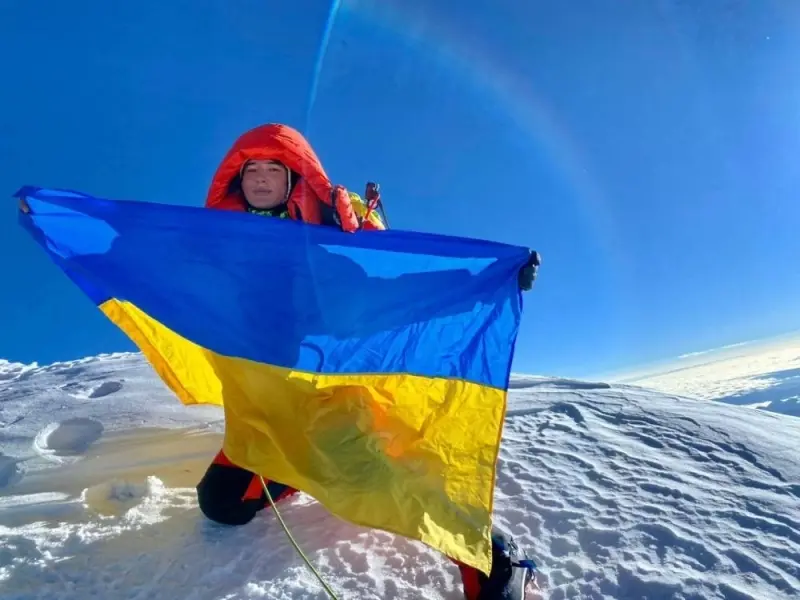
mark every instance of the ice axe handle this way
{"type": "Point", "coordinates": [373, 191]}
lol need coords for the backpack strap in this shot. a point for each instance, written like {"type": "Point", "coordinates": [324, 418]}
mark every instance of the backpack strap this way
{"type": "Point", "coordinates": [350, 213]}
{"type": "Point", "coordinates": [339, 212]}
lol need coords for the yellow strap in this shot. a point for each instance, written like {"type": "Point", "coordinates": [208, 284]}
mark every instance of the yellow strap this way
{"type": "Point", "coordinates": [294, 543]}
{"type": "Point", "coordinates": [360, 208]}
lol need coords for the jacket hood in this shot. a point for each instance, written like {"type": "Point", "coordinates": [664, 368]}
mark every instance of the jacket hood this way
{"type": "Point", "coordinates": [272, 141]}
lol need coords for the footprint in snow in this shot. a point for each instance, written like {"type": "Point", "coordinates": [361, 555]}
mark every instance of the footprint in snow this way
{"type": "Point", "coordinates": [570, 410]}
{"type": "Point", "coordinates": [86, 390]}
{"type": "Point", "coordinates": [106, 388]}
{"type": "Point", "coordinates": [119, 496]}
{"type": "Point", "coordinates": [67, 438]}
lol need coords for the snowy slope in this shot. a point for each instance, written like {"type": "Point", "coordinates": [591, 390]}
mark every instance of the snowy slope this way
{"type": "Point", "coordinates": [618, 491]}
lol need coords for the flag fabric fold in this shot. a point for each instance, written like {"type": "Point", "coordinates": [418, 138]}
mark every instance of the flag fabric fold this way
{"type": "Point", "coordinates": [369, 369]}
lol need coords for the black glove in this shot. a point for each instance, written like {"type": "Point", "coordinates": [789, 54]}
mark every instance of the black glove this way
{"type": "Point", "coordinates": [527, 274]}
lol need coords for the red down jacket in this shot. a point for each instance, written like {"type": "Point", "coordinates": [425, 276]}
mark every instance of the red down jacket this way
{"type": "Point", "coordinates": [314, 199]}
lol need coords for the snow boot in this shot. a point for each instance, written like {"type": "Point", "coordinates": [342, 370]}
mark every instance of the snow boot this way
{"type": "Point", "coordinates": [512, 572]}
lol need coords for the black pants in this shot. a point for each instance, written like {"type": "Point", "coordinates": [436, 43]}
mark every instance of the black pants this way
{"type": "Point", "coordinates": [223, 494]}
{"type": "Point", "coordinates": [226, 495]}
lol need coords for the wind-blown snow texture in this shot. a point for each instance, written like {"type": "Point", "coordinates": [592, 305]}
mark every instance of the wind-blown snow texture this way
{"type": "Point", "coordinates": [619, 492]}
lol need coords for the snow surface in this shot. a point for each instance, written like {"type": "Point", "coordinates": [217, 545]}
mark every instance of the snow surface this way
{"type": "Point", "coordinates": [618, 492]}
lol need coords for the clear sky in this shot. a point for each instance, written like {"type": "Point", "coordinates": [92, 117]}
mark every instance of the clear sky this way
{"type": "Point", "coordinates": [649, 150]}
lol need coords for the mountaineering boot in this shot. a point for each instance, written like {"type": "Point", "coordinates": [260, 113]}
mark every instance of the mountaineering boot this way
{"type": "Point", "coordinates": [512, 572]}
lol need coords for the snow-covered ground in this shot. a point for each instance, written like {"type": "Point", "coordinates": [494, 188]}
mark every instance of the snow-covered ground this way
{"type": "Point", "coordinates": [619, 492]}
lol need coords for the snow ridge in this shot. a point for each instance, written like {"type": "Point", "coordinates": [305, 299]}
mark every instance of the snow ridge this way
{"type": "Point", "coordinates": [618, 492]}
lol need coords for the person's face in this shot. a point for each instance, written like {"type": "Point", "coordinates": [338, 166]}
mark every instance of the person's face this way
{"type": "Point", "coordinates": [264, 183]}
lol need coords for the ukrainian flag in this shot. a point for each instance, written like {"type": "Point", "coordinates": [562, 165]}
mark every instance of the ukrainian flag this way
{"type": "Point", "coordinates": [369, 370]}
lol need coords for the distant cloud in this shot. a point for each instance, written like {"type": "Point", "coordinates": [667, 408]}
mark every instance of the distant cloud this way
{"type": "Point", "coordinates": [700, 353]}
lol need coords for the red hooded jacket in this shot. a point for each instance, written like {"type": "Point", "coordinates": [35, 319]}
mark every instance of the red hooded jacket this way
{"type": "Point", "coordinates": [313, 199]}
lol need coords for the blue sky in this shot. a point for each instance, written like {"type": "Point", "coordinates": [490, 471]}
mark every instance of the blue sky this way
{"type": "Point", "coordinates": [648, 150]}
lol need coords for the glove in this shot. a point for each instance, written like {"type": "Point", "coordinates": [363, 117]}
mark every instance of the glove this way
{"type": "Point", "coordinates": [527, 274]}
